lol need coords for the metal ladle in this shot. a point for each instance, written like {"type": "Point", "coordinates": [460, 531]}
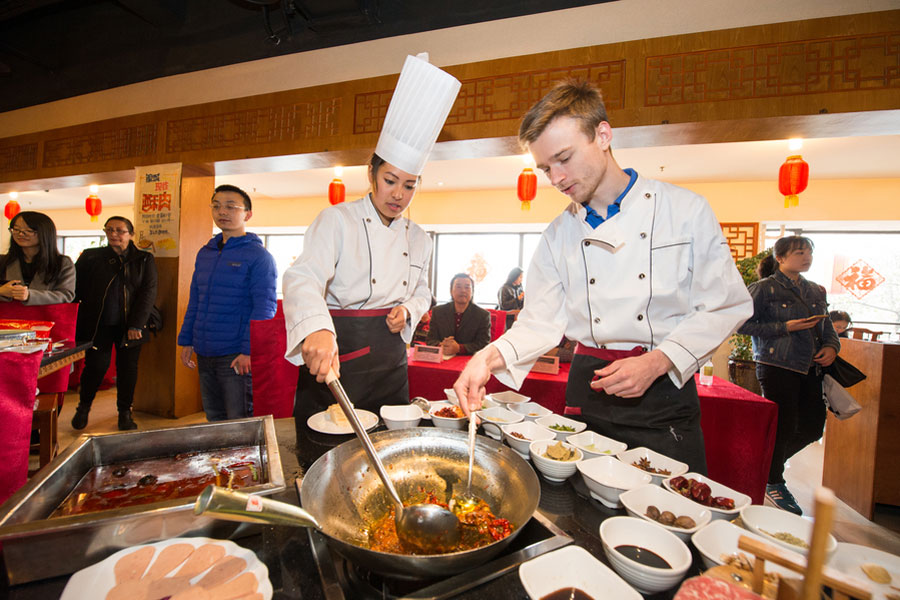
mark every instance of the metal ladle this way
{"type": "Point", "coordinates": [467, 502]}
{"type": "Point", "coordinates": [428, 528]}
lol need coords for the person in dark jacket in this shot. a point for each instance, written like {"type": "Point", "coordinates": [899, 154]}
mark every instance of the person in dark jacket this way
{"type": "Point", "coordinates": [116, 286]}
{"type": "Point", "coordinates": [233, 283]}
{"type": "Point", "coordinates": [511, 296]}
{"type": "Point", "coordinates": [841, 321]}
{"type": "Point", "coordinates": [793, 339]}
{"type": "Point", "coordinates": [461, 326]}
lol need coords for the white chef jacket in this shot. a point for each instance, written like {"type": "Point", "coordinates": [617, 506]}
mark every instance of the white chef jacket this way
{"type": "Point", "coordinates": [659, 275]}
{"type": "Point", "coordinates": [351, 260]}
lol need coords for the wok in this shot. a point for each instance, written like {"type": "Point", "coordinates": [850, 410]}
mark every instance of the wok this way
{"type": "Point", "coordinates": [345, 496]}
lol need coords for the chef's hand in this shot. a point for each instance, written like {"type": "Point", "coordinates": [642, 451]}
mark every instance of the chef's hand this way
{"type": "Point", "coordinates": [320, 353]}
{"type": "Point", "coordinates": [134, 334]}
{"type": "Point", "coordinates": [469, 386]}
{"type": "Point", "coordinates": [186, 352]}
{"type": "Point", "coordinates": [241, 364]}
{"type": "Point", "coordinates": [15, 290]}
{"type": "Point", "coordinates": [630, 377]}
{"type": "Point", "coordinates": [396, 319]}
{"type": "Point", "coordinates": [801, 324]}
{"type": "Point", "coordinates": [449, 347]}
{"type": "Point", "coordinates": [825, 356]}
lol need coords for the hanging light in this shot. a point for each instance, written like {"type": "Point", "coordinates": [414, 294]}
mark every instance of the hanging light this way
{"type": "Point", "coordinates": [92, 204]}
{"type": "Point", "coordinates": [336, 188]}
{"type": "Point", "coordinates": [12, 207]}
{"type": "Point", "coordinates": [792, 179]}
{"type": "Point", "coordinates": [527, 187]}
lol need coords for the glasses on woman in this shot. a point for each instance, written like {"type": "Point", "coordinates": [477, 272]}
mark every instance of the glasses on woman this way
{"type": "Point", "coordinates": [22, 232]}
{"type": "Point", "coordinates": [111, 231]}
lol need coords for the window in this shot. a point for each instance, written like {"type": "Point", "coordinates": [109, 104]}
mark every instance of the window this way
{"type": "Point", "coordinates": [285, 248]}
{"type": "Point", "coordinates": [73, 245]}
{"type": "Point", "coordinates": [488, 257]}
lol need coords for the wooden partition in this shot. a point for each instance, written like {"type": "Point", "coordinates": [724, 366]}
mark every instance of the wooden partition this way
{"type": "Point", "coordinates": [861, 463]}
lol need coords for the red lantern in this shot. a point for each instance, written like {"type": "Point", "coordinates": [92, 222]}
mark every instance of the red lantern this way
{"type": "Point", "coordinates": [527, 187]}
{"type": "Point", "coordinates": [336, 191]}
{"type": "Point", "coordinates": [792, 179]}
{"type": "Point", "coordinates": [93, 206]}
{"type": "Point", "coordinates": [11, 209]}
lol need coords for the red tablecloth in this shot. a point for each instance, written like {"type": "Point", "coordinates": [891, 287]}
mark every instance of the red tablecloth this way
{"type": "Point", "coordinates": [16, 409]}
{"type": "Point", "coordinates": [738, 426]}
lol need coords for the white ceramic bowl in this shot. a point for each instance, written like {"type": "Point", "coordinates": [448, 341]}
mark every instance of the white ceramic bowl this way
{"type": "Point", "coordinates": [531, 410]}
{"type": "Point", "coordinates": [720, 537]}
{"type": "Point", "coordinates": [657, 461]}
{"type": "Point", "coordinates": [561, 420]}
{"type": "Point", "coordinates": [509, 397]}
{"type": "Point", "coordinates": [446, 422]}
{"type": "Point", "coordinates": [607, 478]}
{"type": "Point", "coordinates": [400, 417]}
{"type": "Point", "coordinates": [638, 499]}
{"type": "Point", "coordinates": [762, 519]}
{"type": "Point", "coordinates": [593, 444]}
{"type": "Point", "coordinates": [628, 531]}
{"type": "Point", "coordinates": [492, 419]}
{"type": "Point", "coordinates": [740, 500]}
{"type": "Point", "coordinates": [488, 402]}
{"type": "Point", "coordinates": [553, 470]}
{"type": "Point", "coordinates": [534, 433]}
{"type": "Point", "coordinates": [573, 566]}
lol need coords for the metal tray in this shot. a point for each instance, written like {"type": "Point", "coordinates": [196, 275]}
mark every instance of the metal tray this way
{"type": "Point", "coordinates": [36, 547]}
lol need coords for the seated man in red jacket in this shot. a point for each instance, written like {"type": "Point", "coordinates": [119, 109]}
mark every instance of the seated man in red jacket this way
{"type": "Point", "coordinates": [461, 326]}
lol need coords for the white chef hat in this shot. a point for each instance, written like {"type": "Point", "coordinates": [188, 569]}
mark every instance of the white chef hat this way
{"type": "Point", "coordinates": [420, 105]}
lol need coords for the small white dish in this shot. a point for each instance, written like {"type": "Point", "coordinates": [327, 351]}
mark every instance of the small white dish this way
{"type": "Point", "coordinates": [720, 538]}
{"type": "Point", "coordinates": [656, 460]}
{"type": "Point", "coordinates": [447, 422]}
{"type": "Point", "coordinates": [321, 422]}
{"type": "Point", "coordinates": [492, 419]}
{"type": "Point", "coordinates": [606, 479]}
{"type": "Point", "coordinates": [531, 410]}
{"type": "Point", "coordinates": [561, 421]}
{"type": "Point", "coordinates": [766, 521]}
{"type": "Point", "coordinates": [717, 490]}
{"type": "Point", "coordinates": [509, 397]}
{"type": "Point", "coordinates": [531, 433]}
{"type": "Point", "coordinates": [400, 416]}
{"type": "Point", "coordinates": [488, 402]}
{"type": "Point", "coordinates": [573, 567]}
{"type": "Point", "coordinates": [593, 444]}
{"type": "Point", "coordinates": [628, 531]}
{"type": "Point", "coordinates": [849, 558]}
{"type": "Point", "coordinates": [556, 471]}
{"type": "Point", "coordinates": [637, 500]}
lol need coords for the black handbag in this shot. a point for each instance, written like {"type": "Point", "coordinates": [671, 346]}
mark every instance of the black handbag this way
{"type": "Point", "coordinates": [844, 373]}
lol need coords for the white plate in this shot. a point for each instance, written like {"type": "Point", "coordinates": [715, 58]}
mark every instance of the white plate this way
{"type": "Point", "coordinates": [573, 566]}
{"type": "Point", "coordinates": [321, 423]}
{"type": "Point", "coordinates": [849, 557]}
{"type": "Point", "coordinates": [97, 580]}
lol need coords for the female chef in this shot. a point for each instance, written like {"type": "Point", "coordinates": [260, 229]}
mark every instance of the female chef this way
{"type": "Point", "coordinates": [353, 298]}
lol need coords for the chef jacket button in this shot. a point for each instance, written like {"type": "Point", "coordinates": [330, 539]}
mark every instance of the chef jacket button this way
{"type": "Point", "coordinates": [592, 280]}
{"type": "Point", "coordinates": [641, 276]}
{"type": "Point", "coordinates": [587, 243]}
{"type": "Point", "coordinates": [373, 281]}
{"type": "Point", "coordinates": [646, 194]}
{"type": "Point", "coordinates": [368, 220]}
{"type": "Point", "coordinates": [404, 283]}
{"type": "Point", "coordinates": [640, 317]}
{"type": "Point", "coordinates": [603, 347]}
{"type": "Point", "coordinates": [596, 319]}
{"type": "Point", "coordinates": [405, 254]}
{"type": "Point", "coordinates": [643, 348]}
{"type": "Point", "coordinates": [643, 235]}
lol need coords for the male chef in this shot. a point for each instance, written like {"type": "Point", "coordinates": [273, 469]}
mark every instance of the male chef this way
{"type": "Point", "coordinates": [635, 270]}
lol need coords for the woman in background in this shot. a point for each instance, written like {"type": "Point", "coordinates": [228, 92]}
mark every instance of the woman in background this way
{"type": "Point", "coordinates": [33, 271]}
{"type": "Point", "coordinates": [792, 341]}
{"type": "Point", "coordinates": [841, 321]}
{"type": "Point", "coordinates": [117, 289]}
{"type": "Point", "coordinates": [511, 296]}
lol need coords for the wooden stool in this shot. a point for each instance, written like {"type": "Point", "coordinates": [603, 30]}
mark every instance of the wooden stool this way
{"type": "Point", "coordinates": [44, 422]}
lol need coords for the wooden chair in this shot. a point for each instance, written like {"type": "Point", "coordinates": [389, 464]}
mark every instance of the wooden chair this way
{"type": "Point", "coordinates": [44, 421]}
{"type": "Point", "coordinates": [858, 332]}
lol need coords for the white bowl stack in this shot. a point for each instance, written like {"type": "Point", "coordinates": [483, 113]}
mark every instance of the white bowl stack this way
{"type": "Point", "coordinates": [533, 433]}
{"type": "Point", "coordinates": [492, 419]}
{"type": "Point", "coordinates": [593, 444]}
{"type": "Point", "coordinates": [657, 461]}
{"type": "Point", "coordinates": [549, 420]}
{"type": "Point", "coordinates": [607, 478]}
{"type": "Point", "coordinates": [556, 471]}
{"type": "Point", "coordinates": [622, 531]}
{"type": "Point", "coordinates": [638, 499]}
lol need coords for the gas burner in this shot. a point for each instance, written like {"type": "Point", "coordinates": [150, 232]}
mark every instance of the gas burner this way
{"type": "Point", "coordinates": [344, 580]}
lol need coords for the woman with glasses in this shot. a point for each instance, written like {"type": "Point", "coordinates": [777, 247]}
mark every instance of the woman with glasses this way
{"type": "Point", "coordinates": [33, 271]}
{"type": "Point", "coordinates": [117, 289]}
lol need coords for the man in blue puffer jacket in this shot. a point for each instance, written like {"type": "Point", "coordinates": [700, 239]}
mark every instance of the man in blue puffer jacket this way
{"type": "Point", "coordinates": [234, 282]}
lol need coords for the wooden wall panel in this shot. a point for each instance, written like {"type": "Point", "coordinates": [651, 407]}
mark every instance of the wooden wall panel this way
{"type": "Point", "coordinates": [742, 238]}
{"type": "Point", "coordinates": [837, 65]}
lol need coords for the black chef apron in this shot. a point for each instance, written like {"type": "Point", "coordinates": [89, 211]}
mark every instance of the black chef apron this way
{"type": "Point", "coordinates": [373, 366]}
{"type": "Point", "coordinates": [665, 419]}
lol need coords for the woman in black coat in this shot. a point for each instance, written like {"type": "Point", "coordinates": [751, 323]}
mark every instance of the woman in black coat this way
{"type": "Point", "coordinates": [116, 285]}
